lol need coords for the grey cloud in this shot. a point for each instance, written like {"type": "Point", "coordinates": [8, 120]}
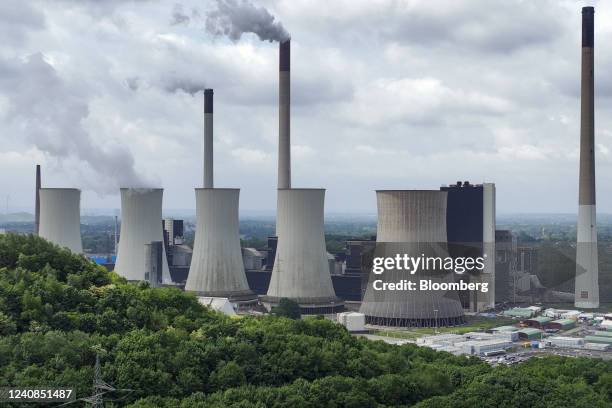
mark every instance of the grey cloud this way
{"type": "Point", "coordinates": [499, 27]}
{"type": "Point", "coordinates": [179, 16]}
{"type": "Point", "coordinates": [17, 19]}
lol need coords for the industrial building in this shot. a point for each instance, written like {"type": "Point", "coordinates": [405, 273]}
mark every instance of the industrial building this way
{"type": "Point", "coordinates": [527, 260]}
{"type": "Point", "coordinates": [485, 347]}
{"type": "Point", "coordinates": [561, 324]}
{"type": "Point", "coordinates": [354, 256]}
{"type": "Point", "coordinates": [564, 341]}
{"type": "Point", "coordinates": [412, 222]}
{"type": "Point", "coordinates": [480, 344]}
{"type": "Point", "coordinates": [216, 268]}
{"type": "Point", "coordinates": [253, 259]}
{"type": "Point", "coordinates": [530, 333]}
{"type": "Point", "coordinates": [520, 312]}
{"type": "Point", "coordinates": [60, 217]}
{"type": "Point", "coordinates": [538, 321]}
{"type": "Point", "coordinates": [141, 224]}
{"type": "Point", "coordinates": [301, 268]}
{"type": "Point", "coordinates": [470, 224]}
{"type": "Point", "coordinates": [502, 329]}
{"type": "Point", "coordinates": [353, 321]}
{"type": "Point", "coordinates": [598, 339]}
{"type": "Point", "coordinates": [587, 269]}
{"type": "Point", "coordinates": [505, 266]}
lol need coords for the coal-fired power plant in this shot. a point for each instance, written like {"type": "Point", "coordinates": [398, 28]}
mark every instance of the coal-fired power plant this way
{"type": "Point", "coordinates": [216, 267]}
{"type": "Point", "coordinates": [60, 217]}
{"type": "Point", "coordinates": [141, 224]}
{"type": "Point", "coordinates": [587, 269]}
{"type": "Point", "coordinates": [412, 222]}
{"type": "Point", "coordinates": [300, 270]}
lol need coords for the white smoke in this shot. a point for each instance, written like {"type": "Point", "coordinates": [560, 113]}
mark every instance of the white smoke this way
{"type": "Point", "coordinates": [174, 83]}
{"type": "Point", "coordinates": [232, 18]}
{"type": "Point", "coordinates": [50, 113]}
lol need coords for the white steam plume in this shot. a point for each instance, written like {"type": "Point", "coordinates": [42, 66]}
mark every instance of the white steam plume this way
{"type": "Point", "coordinates": [49, 113]}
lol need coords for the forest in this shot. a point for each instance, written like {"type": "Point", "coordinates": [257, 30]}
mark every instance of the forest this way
{"type": "Point", "coordinates": [58, 311]}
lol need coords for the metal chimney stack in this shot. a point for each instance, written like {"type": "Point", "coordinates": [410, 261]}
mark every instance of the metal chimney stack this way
{"type": "Point", "coordinates": [37, 203]}
{"type": "Point", "coordinates": [587, 269]}
{"type": "Point", "coordinates": [208, 138]}
{"type": "Point", "coordinates": [284, 122]}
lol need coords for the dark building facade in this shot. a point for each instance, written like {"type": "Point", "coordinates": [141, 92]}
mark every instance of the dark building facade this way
{"type": "Point", "coordinates": [271, 254]}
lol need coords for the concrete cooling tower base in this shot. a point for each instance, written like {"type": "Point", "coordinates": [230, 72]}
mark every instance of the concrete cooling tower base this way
{"type": "Point", "coordinates": [216, 266]}
{"type": "Point", "coordinates": [301, 270]}
{"type": "Point", "coordinates": [412, 222]}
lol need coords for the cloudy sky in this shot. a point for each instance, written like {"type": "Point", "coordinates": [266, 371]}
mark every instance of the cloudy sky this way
{"type": "Point", "coordinates": [385, 93]}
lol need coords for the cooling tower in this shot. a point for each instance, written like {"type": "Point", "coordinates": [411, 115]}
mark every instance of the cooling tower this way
{"type": "Point", "coordinates": [60, 217]}
{"type": "Point", "coordinates": [412, 222]}
{"type": "Point", "coordinates": [587, 268]}
{"type": "Point", "coordinates": [301, 270]}
{"type": "Point", "coordinates": [216, 266]}
{"type": "Point", "coordinates": [141, 224]}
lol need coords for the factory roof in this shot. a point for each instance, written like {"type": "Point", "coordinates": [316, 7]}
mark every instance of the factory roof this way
{"type": "Point", "coordinates": [598, 339]}
{"type": "Point", "coordinates": [564, 338]}
{"type": "Point", "coordinates": [530, 330]}
{"type": "Point", "coordinates": [564, 322]}
{"type": "Point", "coordinates": [603, 333]}
{"type": "Point", "coordinates": [540, 319]}
{"type": "Point", "coordinates": [518, 312]}
{"type": "Point", "coordinates": [505, 329]}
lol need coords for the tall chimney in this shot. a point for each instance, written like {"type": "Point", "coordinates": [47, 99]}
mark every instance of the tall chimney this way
{"type": "Point", "coordinates": [284, 124]}
{"type": "Point", "coordinates": [208, 138]}
{"type": "Point", "coordinates": [587, 269]}
{"type": "Point", "coordinates": [37, 201]}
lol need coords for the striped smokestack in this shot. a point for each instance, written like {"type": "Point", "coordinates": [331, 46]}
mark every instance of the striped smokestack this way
{"type": "Point", "coordinates": [284, 122]}
{"type": "Point", "coordinates": [37, 201]}
{"type": "Point", "coordinates": [587, 269]}
{"type": "Point", "coordinates": [208, 138]}
{"type": "Point", "coordinates": [587, 116]}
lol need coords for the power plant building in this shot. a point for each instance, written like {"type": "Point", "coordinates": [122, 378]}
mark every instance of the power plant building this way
{"type": "Point", "coordinates": [412, 222]}
{"type": "Point", "coordinates": [141, 224]}
{"type": "Point", "coordinates": [470, 223]}
{"type": "Point", "coordinates": [60, 217]}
